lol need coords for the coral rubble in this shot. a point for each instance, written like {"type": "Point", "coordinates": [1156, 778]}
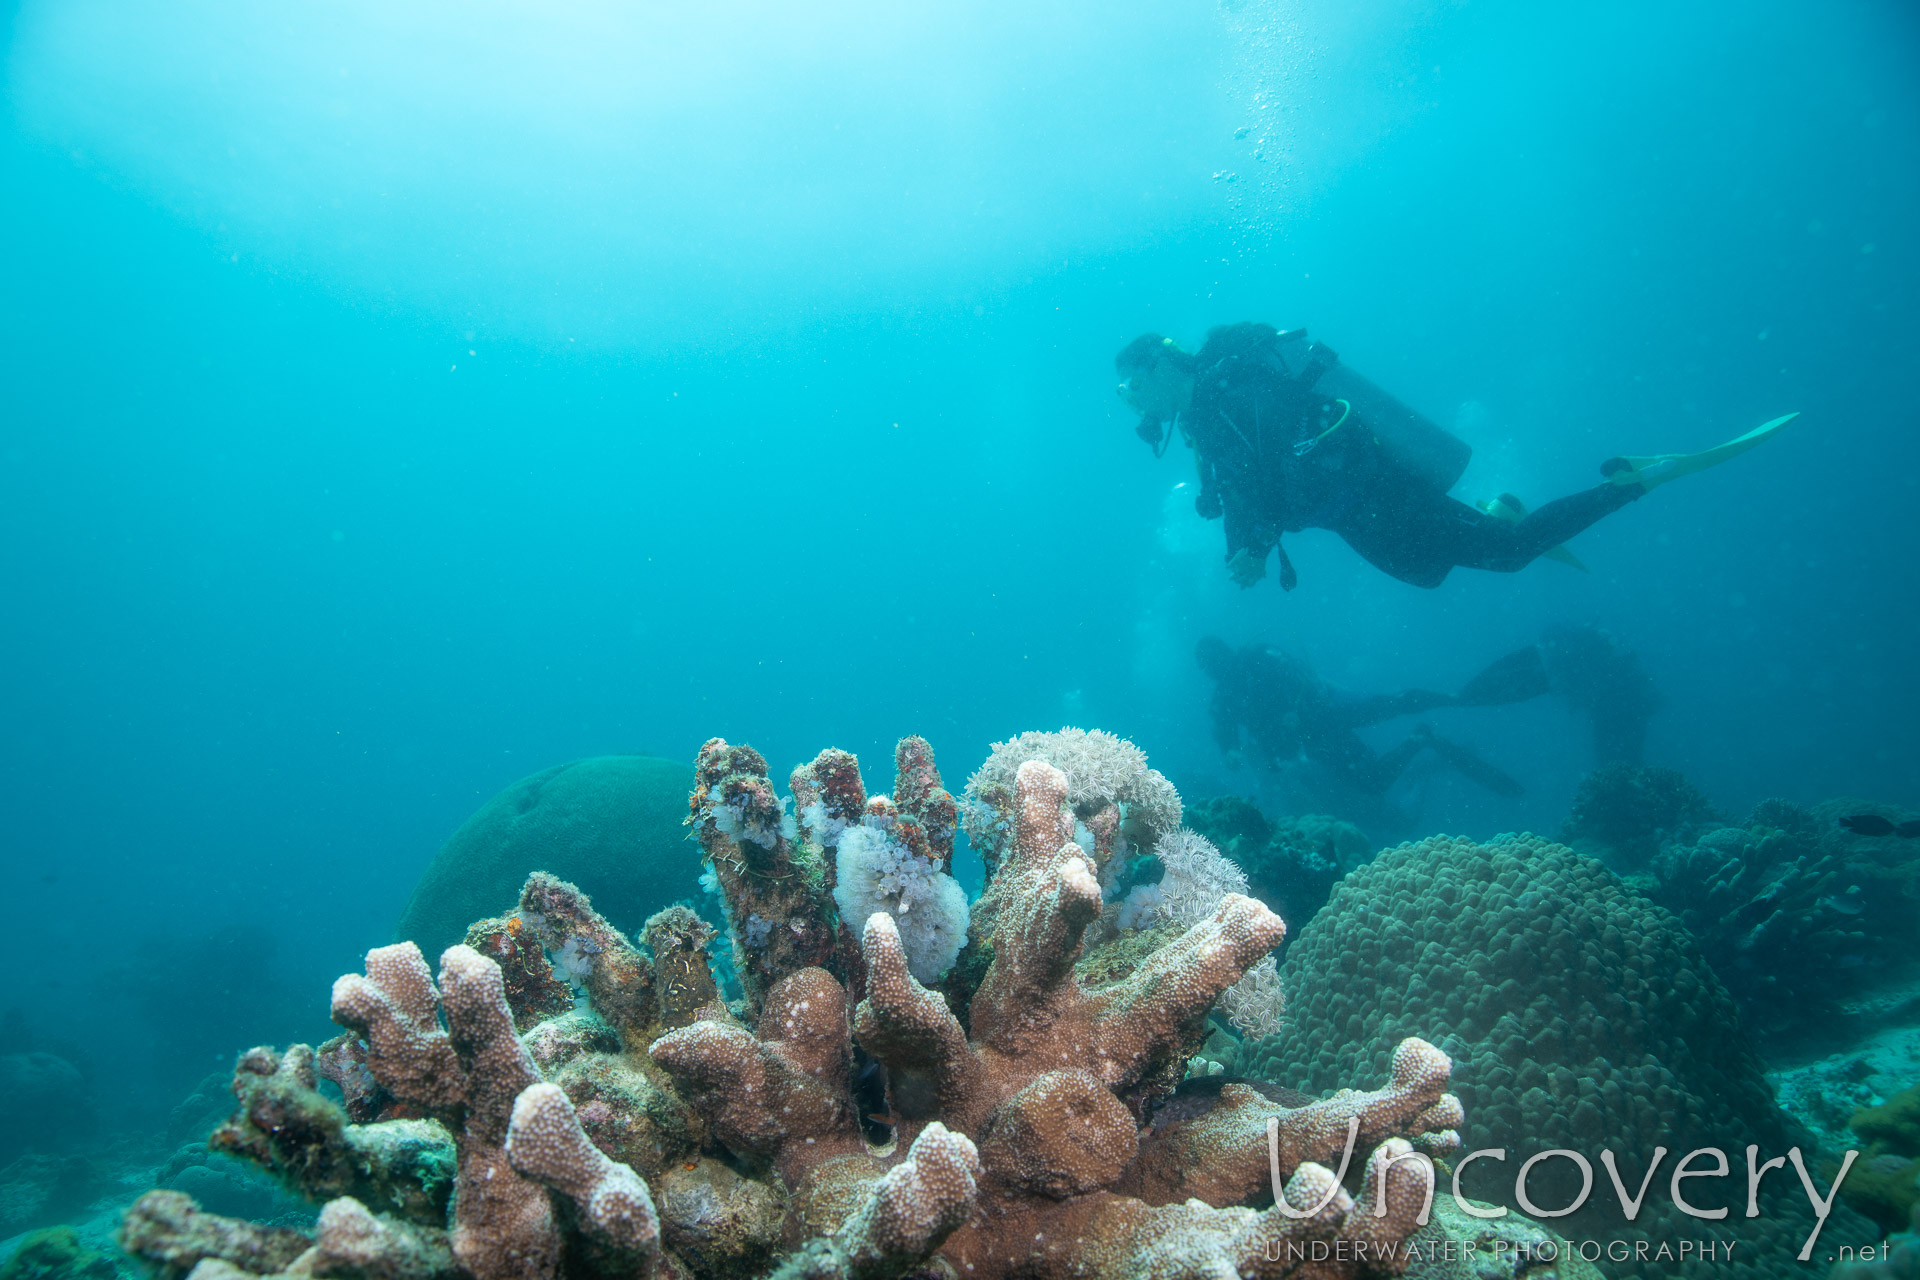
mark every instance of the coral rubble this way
{"type": "Point", "coordinates": [853, 1125]}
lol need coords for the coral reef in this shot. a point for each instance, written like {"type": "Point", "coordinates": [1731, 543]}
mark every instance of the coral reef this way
{"type": "Point", "coordinates": [1118, 802]}
{"type": "Point", "coordinates": [1581, 1015]}
{"type": "Point", "coordinates": [1512, 1248]}
{"type": "Point", "coordinates": [57, 1254]}
{"type": "Point", "coordinates": [1896, 1258]}
{"type": "Point", "coordinates": [44, 1103]}
{"type": "Point", "coordinates": [229, 1186]}
{"type": "Point", "coordinates": [1231, 822]}
{"type": "Point", "coordinates": [653, 1132]}
{"type": "Point", "coordinates": [1824, 1093]}
{"type": "Point", "coordinates": [1624, 814]}
{"type": "Point", "coordinates": [1196, 879]}
{"type": "Point", "coordinates": [1885, 1186]}
{"type": "Point", "coordinates": [39, 1189]}
{"type": "Point", "coordinates": [1795, 914]}
{"type": "Point", "coordinates": [610, 824]}
{"type": "Point", "coordinates": [1291, 863]}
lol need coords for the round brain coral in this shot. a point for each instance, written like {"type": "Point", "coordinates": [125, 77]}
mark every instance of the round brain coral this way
{"type": "Point", "coordinates": [1579, 1015]}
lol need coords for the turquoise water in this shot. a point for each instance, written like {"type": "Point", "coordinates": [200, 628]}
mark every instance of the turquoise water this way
{"type": "Point", "coordinates": [403, 399]}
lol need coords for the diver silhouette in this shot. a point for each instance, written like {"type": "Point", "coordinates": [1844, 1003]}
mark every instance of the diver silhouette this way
{"type": "Point", "coordinates": [1290, 713]}
{"type": "Point", "coordinates": [1288, 438]}
{"type": "Point", "coordinates": [1283, 711]}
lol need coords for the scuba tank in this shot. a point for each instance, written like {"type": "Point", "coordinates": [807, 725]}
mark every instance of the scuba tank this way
{"type": "Point", "coordinates": [1414, 441]}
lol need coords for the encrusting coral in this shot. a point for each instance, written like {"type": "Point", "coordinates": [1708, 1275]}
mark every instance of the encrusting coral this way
{"type": "Point", "coordinates": [1886, 1185]}
{"type": "Point", "coordinates": [855, 1127]}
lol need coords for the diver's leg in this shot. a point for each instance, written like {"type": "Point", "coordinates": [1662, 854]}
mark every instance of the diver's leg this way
{"type": "Point", "coordinates": [1520, 676]}
{"type": "Point", "coordinates": [1357, 713]}
{"type": "Point", "coordinates": [1374, 771]}
{"type": "Point", "coordinates": [1402, 528]}
{"type": "Point", "coordinates": [1409, 530]}
{"type": "Point", "coordinates": [1469, 764]}
{"type": "Point", "coordinates": [1487, 542]}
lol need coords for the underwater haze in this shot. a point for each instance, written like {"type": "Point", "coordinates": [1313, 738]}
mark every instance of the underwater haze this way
{"type": "Point", "coordinates": [402, 398]}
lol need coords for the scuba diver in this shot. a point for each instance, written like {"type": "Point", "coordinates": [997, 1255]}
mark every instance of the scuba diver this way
{"type": "Point", "coordinates": [1289, 713]}
{"type": "Point", "coordinates": [1592, 672]}
{"type": "Point", "coordinates": [1287, 438]}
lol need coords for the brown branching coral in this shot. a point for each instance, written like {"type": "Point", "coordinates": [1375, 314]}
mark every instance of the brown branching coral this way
{"type": "Point", "coordinates": [775, 885]}
{"type": "Point", "coordinates": [467, 1077]}
{"type": "Point", "coordinates": [545, 1142]}
{"type": "Point", "coordinates": [1047, 1076]}
{"type": "Point", "coordinates": [860, 1128]}
{"type": "Point", "coordinates": [284, 1124]}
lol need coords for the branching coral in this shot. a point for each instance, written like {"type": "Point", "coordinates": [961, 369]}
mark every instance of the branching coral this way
{"type": "Point", "coordinates": [1196, 879]}
{"type": "Point", "coordinates": [1625, 814]}
{"type": "Point", "coordinates": [654, 1134]}
{"type": "Point", "coordinates": [467, 1077]}
{"type": "Point", "coordinates": [282, 1123]}
{"type": "Point", "coordinates": [774, 885]}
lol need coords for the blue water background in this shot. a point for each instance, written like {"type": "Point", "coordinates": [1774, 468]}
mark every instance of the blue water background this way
{"type": "Point", "coordinates": [400, 399]}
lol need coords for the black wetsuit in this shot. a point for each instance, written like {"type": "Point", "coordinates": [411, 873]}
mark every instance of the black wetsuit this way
{"type": "Point", "coordinates": [1253, 429]}
{"type": "Point", "coordinates": [1596, 674]}
{"type": "Point", "coordinates": [1289, 712]}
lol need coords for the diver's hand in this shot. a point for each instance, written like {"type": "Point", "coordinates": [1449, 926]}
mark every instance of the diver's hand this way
{"type": "Point", "coordinates": [1245, 568]}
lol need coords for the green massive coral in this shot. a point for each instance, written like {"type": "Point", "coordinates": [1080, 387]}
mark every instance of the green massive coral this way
{"type": "Point", "coordinates": [611, 824]}
{"type": "Point", "coordinates": [1580, 1014]}
{"type": "Point", "coordinates": [1886, 1185]}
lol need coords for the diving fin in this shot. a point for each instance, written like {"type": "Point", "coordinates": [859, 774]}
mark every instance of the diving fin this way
{"type": "Point", "coordinates": [1513, 511]}
{"type": "Point", "coordinates": [1520, 676]}
{"type": "Point", "coordinates": [1655, 470]}
{"type": "Point", "coordinates": [1469, 764]}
